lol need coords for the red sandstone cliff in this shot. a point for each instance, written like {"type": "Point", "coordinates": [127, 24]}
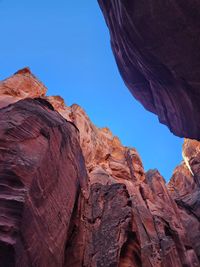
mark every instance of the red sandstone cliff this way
{"type": "Point", "coordinates": [41, 170]}
{"type": "Point", "coordinates": [53, 213]}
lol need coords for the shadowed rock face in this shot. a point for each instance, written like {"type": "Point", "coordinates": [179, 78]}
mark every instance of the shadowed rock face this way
{"type": "Point", "coordinates": [156, 47]}
{"type": "Point", "coordinates": [61, 209]}
{"type": "Point", "coordinates": [184, 188]}
{"type": "Point", "coordinates": [41, 169]}
{"type": "Point", "coordinates": [101, 227]}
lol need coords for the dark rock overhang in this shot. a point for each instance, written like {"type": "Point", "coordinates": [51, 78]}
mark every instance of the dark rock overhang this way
{"type": "Point", "coordinates": [157, 49]}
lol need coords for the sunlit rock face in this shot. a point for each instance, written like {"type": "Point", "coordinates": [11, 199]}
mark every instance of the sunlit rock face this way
{"type": "Point", "coordinates": [156, 46]}
{"type": "Point", "coordinates": [21, 85]}
{"type": "Point", "coordinates": [64, 206]}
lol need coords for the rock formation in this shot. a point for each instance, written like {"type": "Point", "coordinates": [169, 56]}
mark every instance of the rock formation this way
{"type": "Point", "coordinates": [64, 207]}
{"type": "Point", "coordinates": [41, 169]}
{"type": "Point", "coordinates": [185, 190]}
{"type": "Point", "coordinates": [156, 46]}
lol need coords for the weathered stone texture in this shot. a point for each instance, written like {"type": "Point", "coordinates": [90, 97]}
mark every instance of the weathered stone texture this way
{"type": "Point", "coordinates": [41, 169]}
{"type": "Point", "coordinates": [156, 46]}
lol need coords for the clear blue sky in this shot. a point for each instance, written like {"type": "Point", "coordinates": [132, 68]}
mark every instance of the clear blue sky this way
{"type": "Point", "coordinates": [66, 44]}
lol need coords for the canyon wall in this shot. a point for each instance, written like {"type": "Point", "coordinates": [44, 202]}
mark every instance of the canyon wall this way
{"type": "Point", "coordinates": [72, 195]}
{"type": "Point", "coordinates": [42, 171]}
{"type": "Point", "coordinates": [156, 46]}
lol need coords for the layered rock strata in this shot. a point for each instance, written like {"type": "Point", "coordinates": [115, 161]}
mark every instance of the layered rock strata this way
{"type": "Point", "coordinates": [121, 216]}
{"type": "Point", "coordinates": [156, 47]}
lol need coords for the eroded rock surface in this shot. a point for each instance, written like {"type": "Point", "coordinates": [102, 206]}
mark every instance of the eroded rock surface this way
{"type": "Point", "coordinates": [101, 227]}
{"type": "Point", "coordinates": [185, 190]}
{"type": "Point", "coordinates": [156, 46]}
{"type": "Point", "coordinates": [41, 169]}
{"type": "Point", "coordinates": [53, 213]}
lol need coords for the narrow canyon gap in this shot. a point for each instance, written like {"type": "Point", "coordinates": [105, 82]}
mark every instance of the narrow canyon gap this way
{"type": "Point", "coordinates": [72, 195]}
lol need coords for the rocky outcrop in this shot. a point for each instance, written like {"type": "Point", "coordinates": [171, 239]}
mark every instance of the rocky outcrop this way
{"type": "Point", "coordinates": [21, 85]}
{"type": "Point", "coordinates": [41, 169]}
{"type": "Point", "coordinates": [53, 213]}
{"type": "Point", "coordinates": [156, 47]}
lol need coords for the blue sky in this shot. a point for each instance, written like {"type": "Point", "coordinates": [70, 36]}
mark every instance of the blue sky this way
{"type": "Point", "coordinates": [66, 44]}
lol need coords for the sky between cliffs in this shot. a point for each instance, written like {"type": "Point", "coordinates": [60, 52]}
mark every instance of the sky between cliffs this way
{"type": "Point", "coordinates": [66, 44]}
